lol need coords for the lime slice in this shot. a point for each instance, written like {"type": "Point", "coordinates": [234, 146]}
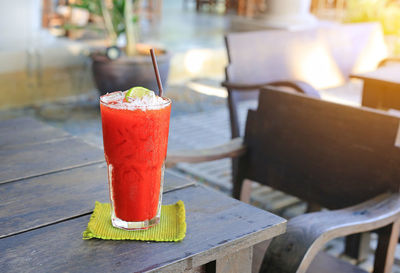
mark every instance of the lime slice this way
{"type": "Point", "coordinates": [138, 92]}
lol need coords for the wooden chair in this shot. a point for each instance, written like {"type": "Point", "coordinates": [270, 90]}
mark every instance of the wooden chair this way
{"type": "Point", "coordinates": [302, 60]}
{"type": "Point", "coordinates": [251, 66]}
{"type": "Point", "coordinates": [297, 60]}
{"type": "Point", "coordinates": [344, 158]}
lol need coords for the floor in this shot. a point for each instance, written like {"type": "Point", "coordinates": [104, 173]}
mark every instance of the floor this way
{"type": "Point", "coordinates": [198, 118]}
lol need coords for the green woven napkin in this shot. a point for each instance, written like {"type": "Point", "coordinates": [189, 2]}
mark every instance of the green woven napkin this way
{"type": "Point", "coordinates": [172, 226]}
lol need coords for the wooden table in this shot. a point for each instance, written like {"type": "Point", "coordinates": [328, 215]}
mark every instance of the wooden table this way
{"type": "Point", "coordinates": [381, 87]}
{"type": "Point", "coordinates": [49, 182]}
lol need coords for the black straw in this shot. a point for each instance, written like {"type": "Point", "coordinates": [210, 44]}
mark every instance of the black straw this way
{"type": "Point", "coordinates": [153, 58]}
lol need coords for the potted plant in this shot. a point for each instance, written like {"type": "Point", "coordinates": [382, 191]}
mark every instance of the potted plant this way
{"type": "Point", "coordinates": [119, 68]}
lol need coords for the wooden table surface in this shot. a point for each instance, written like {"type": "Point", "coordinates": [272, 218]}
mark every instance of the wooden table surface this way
{"type": "Point", "coordinates": [381, 87]}
{"type": "Point", "coordinates": [49, 182]}
{"type": "Point", "coordinates": [389, 73]}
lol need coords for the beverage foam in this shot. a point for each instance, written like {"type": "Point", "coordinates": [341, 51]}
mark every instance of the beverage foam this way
{"type": "Point", "coordinates": [147, 102]}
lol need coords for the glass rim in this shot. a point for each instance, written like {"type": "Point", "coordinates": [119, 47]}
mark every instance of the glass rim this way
{"type": "Point", "coordinates": [166, 102]}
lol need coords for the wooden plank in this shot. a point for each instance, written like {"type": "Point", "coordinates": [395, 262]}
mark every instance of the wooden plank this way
{"type": "Point", "coordinates": [216, 226]}
{"type": "Point", "coordinates": [39, 201]}
{"type": "Point", "coordinates": [38, 159]}
{"type": "Point", "coordinates": [26, 131]}
{"type": "Point", "coordinates": [197, 171]}
{"type": "Point", "coordinates": [23, 138]}
{"type": "Point", "coordinates": [272, 200]}
{"type": "Point", "coordinates": [175, 181]}
{"type": "Point", "coordinates": [19, 123]}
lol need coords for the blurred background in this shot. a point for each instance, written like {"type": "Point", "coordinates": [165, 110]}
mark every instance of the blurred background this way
{"type": "Point", "coordinates": [58, 56]}
{"type": "Point", "coordinates": [46, 46]}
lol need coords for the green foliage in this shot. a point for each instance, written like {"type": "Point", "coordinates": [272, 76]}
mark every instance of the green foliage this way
{"type": "Point", "coordinates": [93, 6]}
{"type": "Point", "coordinates": [387, 12]}
{"type": "Point", "coordinates": [118, 16]}
{"type": "Point", "coordinates": [116, 13]}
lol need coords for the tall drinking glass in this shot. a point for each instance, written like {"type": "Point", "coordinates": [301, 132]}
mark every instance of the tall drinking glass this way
{"type": "Point", "coordinates": [135, 146]}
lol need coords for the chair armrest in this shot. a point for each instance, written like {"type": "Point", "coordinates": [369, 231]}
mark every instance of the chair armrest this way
{"type": "Point", "coordinates": [388, 60]}
{"type": "Point", "coordinates": [242, 86]}
{"type": "Point", "coordinates": [306, 234]}
{"type": "Point", "coordinates": [299, 86]}
{"type": "Point", "coordinates": [232, 148]}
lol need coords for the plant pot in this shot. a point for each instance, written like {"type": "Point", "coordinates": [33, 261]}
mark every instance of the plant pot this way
{"type": "Point", "coordinates": [128, 71]}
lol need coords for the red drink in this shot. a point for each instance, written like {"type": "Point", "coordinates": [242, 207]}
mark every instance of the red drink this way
{"type": "Point", "coordinates": [135, 146]}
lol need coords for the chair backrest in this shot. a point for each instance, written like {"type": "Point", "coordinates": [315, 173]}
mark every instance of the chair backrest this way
{"type": "Point", "coordinates": [323, 56]}
{"type": "Point", "coordinates": [323, 152]}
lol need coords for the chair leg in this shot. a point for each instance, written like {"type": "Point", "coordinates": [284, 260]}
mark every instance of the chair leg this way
{"type": "Point", "coordinates": [384, 255]}
{"type": "Point", "coordinates": [245, 193]}
{"type": "Point", "coordinates": [241, 187]}
{"type": "Point", "coordinates": [357, 246]}
{"type": "Point", "coordinates": [233, 114]}
{"type": "Point", "coordinates": [259, 251]}
{"type": "Point", "coordinates": [198, 5]}
{"type": "Point", "coordinates": [237, 181]}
